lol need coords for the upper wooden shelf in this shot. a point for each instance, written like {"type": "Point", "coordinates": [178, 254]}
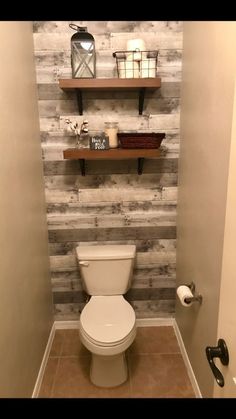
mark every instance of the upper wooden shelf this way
{"type": "Point", "coordinates": [113, 154]}
{"type": "Point", "coordinates": [140, 84]}
{"type": "Point", "coordinates": [114, 83]}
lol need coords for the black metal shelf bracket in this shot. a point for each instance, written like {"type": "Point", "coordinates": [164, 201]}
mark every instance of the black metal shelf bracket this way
{"type": "Point", "coordinates": [141, 100]}
{"type": "Point", "coordinates": [79, 100]}
{"type": "Point", "coordinates": [139, 169]}
{"type": "Point", "coordinates": [140, 165]}
{"type": "Point", "coordinates": [82, 166]}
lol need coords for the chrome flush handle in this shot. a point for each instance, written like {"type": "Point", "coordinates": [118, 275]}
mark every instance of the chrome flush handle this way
{"type": "Point", "coordinates": [84, 263]}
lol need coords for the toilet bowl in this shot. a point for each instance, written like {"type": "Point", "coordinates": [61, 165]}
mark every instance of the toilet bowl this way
{"type": "Point", "coordinates": [107, 323]}
{"type": "Point", "coordinates": [107, 329]}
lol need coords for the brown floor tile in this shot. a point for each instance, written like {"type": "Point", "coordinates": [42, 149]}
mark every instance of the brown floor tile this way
{"type": "Point", "coordinates": [156, 368]}
{"type": "Point", "coordinates": [151, 340]}
{"type": "Point", "coordinates": [48, 378]}
{"type": "Point", "coordinates": [57, 343]}
{"type": "Point", "coordinates": [72, 345]}
{"type": "Point", "coordinates": [159, 376]}
{"type": "Point", "coordinates": [122, 391]}
{"type": "Point", "coordinates": [72, 381]}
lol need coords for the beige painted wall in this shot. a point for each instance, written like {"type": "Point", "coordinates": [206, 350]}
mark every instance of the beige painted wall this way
{"type": "Point", "coordinates": [206, 120]}
{"type": "Point", "coordinates": [26, 302]}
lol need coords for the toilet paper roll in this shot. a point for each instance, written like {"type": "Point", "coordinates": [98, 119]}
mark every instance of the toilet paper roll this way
{"type": "Point", "coordinates": [184, 292]}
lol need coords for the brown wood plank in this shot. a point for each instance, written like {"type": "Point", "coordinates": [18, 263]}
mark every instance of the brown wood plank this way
{"type": "Point", "coordinates": [110, 83]}
{"type": "Point", "coordinates": [119, 153]}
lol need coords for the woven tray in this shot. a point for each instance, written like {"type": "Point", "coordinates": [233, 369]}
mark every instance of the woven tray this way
{"type": "Point", "coordinates": [140, 140]}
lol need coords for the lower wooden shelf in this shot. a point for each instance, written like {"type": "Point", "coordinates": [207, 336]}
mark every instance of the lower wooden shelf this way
{"type": "Point", "coordinates": [111, 154]}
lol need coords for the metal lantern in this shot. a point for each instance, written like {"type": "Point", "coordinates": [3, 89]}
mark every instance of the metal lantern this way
{"type": "Point", "coordinates": [83, 57]}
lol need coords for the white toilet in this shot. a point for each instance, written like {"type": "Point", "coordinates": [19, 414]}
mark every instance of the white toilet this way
{"type": "Point", "coordinates": [107, 322]}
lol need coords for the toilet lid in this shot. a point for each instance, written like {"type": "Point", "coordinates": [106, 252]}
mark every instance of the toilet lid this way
{"type": "Point", "coordinates": [107, 319]}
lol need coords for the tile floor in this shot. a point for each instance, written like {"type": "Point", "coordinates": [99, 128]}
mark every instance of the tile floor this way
{"type": "Point", "coordinates": [155, 365]}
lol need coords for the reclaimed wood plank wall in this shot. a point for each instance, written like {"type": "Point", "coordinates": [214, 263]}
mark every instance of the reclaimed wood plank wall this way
{"type": "Point", "coordinates": [111, 204]}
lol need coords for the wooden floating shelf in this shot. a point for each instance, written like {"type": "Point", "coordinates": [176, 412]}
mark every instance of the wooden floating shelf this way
{"type": "Point", "coordinates": [111, 154]}
{"type": "Point", "coordinates": [140, 84]}
{"type": "Point", "coordinates": [114, 83]}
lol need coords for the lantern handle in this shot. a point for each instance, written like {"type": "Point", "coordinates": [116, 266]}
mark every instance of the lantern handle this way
{"type": "Point", "coordinates": [76, 27]}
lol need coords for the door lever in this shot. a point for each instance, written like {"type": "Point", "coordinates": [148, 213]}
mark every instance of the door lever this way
{"type": "Point", "coordinates": [220, 351]}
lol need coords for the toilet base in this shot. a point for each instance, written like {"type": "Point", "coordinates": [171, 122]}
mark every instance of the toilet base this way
{"type": "Point", "coordinates": [108, 371]}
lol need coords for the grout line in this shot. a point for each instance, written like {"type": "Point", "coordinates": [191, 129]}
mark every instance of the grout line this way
{"type": "Point", "coordinates": [62, 343]}
{"type": "Point", "coordinates": [54, 380]}
{"type": "Point", "coordinates": [155, 353]}
{"type": "Point", "coordinates": [75, 356]}
{"type": "Point", "coordinates": [129, 374]}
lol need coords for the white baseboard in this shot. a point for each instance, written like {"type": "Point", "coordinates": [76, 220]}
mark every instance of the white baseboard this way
{"type": "Point", "coordinates": [187, 361]}
{"type": "Point", "coordinates": [169, 321]}
{"type": "Point", "coordinates": [43, 363]}
{"type": "Point", "coordinates": [66, 324]}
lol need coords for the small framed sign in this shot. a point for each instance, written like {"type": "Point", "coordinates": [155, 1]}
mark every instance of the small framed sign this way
{"type": "Point", "coordinates": [99, 142]}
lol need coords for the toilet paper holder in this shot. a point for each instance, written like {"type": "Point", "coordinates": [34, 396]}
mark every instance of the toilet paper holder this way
{"type": "Point", "coordinates": [197, 297]}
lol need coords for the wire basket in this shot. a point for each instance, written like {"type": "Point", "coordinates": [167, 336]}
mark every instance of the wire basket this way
{"type": "Point", "coordinates": [136, 64]}
{"type": "Point", "coordinates": [140, 140]}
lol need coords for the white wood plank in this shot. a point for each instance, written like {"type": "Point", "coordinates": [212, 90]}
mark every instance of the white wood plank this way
{"type": "Point", "coordinates": [104, 58]}
{"type": "Point", "coordinates": [102, 27]}
{"type": "Point", "coordinates": [62, 41]}
{"type": "Point", "coordinates": [61, 222]}
{"type": "Point", "coordinates": [125, 106]}
{"type": "Point", "coordinates": [155, 40]}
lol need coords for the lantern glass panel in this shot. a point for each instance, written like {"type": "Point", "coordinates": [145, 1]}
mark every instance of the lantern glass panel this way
{"type": "Point", "coordinates": [83, 62]}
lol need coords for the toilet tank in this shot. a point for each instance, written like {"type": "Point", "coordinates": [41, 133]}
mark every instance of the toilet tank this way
{"type": "Point", "coordinates": [106, 270]}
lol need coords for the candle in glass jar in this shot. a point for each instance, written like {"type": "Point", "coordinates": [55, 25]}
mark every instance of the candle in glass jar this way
{"type": "Point", "coordinates": [111, 129]}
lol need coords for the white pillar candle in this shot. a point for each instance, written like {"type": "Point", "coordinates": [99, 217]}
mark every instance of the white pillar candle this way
{"type": "Point", "coordinates": [148, 68]}
{"type": "Point", "coordinates": [136, 45]}
{"type": "Point", "coordinates": [132, 44]}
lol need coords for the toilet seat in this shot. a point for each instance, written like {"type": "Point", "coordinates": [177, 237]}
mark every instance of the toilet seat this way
{"type": "Point", "coordinates": [107, 345]}
{"type": "Point", "coordinates": [107, 320]}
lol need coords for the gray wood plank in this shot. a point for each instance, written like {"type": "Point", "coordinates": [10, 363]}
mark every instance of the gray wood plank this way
{"type": "Point", "coordinates": [142, 260]}
{"type": "Point", "coordinates": [141, 245]}
{"type": "Point", "coordinates": [143, 309]}
{"type": "Point", "coordinates": [154, 309]}
{"type": "Point", "coordinates": [65, 297]}
{"type": "Point", "coordinates": [98, 234]}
